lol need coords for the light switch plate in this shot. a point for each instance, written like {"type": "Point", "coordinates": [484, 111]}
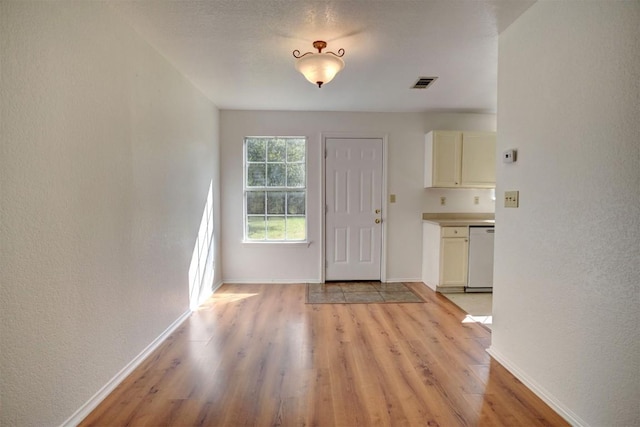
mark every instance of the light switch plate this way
{"type": "Point", "coordinates": [392, 198]}
{"type": "Point", "coordinates": [511, 199]}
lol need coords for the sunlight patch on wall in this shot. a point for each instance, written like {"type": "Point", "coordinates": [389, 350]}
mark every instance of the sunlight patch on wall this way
{"type": "Point", "coordinates": [202, 264]}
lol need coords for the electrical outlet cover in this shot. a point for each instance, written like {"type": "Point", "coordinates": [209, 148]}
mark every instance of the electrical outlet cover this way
{"type": "Point", "coordinates": [511, 199]}
{"type": "Point", "coordinates": [509, 156]}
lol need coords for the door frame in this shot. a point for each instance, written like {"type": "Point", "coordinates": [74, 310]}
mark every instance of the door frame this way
{"type": "Point", "coordinates": [385, 203]}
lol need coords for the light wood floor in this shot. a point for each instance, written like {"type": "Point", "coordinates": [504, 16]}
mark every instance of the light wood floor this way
{"type": "Point", "coordinates": [258, 355]}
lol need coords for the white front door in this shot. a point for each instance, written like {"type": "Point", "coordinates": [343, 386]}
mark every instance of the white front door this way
{"type": "Point", "coordinates": [353, 221]}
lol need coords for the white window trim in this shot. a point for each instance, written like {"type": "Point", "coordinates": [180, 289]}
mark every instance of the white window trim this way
{"type": "Point", "coordinates": [306, 242]}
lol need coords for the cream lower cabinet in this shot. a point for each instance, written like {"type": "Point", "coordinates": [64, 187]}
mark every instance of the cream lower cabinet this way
{"type": "Point", "coordinates": [454, 256]}
{"type": "Point", "coordinates": [445, 259]}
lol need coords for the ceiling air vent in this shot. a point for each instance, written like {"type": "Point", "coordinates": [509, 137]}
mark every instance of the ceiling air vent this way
{"type": "Point", "coordinates": [424, 82]}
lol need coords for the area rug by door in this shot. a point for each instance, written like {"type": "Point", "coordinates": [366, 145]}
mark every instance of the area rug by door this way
{"type": "Point", "coordinates": [359, 293]}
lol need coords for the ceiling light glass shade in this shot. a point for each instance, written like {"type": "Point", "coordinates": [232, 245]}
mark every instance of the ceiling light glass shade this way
{"type": "Point", "coordinates": [320, 68]}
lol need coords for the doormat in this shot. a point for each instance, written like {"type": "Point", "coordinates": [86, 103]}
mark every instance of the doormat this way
{"type": "Point", "coordinates": [359, 293]}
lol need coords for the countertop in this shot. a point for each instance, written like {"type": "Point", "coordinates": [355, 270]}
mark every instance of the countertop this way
{"type": "Point", "coordinates": [459, 219]}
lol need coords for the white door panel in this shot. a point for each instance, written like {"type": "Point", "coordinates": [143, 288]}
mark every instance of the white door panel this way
{"type": "Point", "coordinates": [353, 194]}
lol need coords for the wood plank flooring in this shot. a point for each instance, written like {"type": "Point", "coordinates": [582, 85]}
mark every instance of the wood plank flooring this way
{"type": "Point", "coordinates": [257, 355]}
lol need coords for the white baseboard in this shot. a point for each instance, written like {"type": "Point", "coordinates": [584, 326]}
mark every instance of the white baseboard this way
{"type": "Point", "coordinates": [97, 398]}
{"type": "Point", "coordinates": [538, 390]}
{"type": "Point", "coordinates": [215, 287]}
{"type": "Point", "coordinates": [433, 288]}
{"type": "Point", "coordinates": [270, 281]}
{"type": "Point", "coordinates": [290, 281]}
{"type": "Point", "coordinates": [399, 280]}
{"type": "Point", "coordinates": [203, 297]}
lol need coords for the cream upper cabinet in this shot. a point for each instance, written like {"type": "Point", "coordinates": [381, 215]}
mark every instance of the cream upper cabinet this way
{"type": "Point", "coordinates": [460, 159]}
{"type": "Point", "coordinates": [479, 159]}
{"type": "Point", "coordinates": [443, 151]}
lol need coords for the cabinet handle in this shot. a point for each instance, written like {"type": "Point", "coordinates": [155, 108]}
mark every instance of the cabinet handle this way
{"type": "Point", "coordinates": [378, 221]}
{"type": "Point", "coordinates": [377, 211]}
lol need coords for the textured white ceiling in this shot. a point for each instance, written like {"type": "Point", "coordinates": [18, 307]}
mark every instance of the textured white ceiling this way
{"type": "Point", "coordinates": [239, 52]}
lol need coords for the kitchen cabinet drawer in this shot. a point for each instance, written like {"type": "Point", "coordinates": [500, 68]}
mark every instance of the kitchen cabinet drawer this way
{"type": "Point", "coordinates": [455, 231]}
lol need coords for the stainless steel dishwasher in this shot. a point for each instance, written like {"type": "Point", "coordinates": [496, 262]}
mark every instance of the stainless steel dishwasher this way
{"type": "Point", "coordinates": [480, 259]}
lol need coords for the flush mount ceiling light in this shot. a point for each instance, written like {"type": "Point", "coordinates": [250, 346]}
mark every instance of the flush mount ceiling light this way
{"type": "Point", "coordinates": [319, 68]}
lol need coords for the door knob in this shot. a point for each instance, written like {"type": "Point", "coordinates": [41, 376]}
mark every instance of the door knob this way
{"type": "Point", "coordinates": [378, 220]}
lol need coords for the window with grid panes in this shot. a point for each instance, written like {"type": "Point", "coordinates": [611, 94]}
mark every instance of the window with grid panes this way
{"type": "Point", "coordinates": [275, 192]}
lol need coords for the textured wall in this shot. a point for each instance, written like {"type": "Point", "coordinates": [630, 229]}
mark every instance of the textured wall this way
{"type": "Point", "coordinates": [405, 179]}
{"type": "Point", "coordinates": [567, 279]}
{"type": "Point", "coordinates": [107, 157]}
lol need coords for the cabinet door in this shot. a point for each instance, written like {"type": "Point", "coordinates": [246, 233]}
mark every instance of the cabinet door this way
{"type": "Point", "coordinates": [479, 159]}
{"type": "Point", "coordinates": [447, 151]}
{"type": "Point", "coordinates": [454, 253]}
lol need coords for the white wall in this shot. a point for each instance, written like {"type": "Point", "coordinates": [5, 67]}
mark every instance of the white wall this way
{"type": "Point", "coordinates": [567, 279]}
{"type": "Point", "coordinates": [279, 262]}
{"type": "Point", "coordinates": [106, 159]}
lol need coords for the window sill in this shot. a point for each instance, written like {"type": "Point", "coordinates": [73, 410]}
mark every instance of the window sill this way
{"type": "Point", "coordinates": [306, 243]}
